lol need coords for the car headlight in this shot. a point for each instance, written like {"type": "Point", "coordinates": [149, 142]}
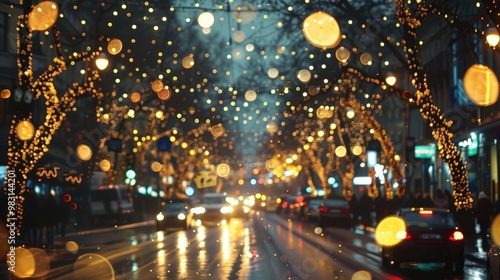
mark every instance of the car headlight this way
{"type": "Point", "coordinates": [226, 209]}
{"type": "Point", "coordinates": [198, 210]}
{"type": "Point", "coordinates": [246, 209]}
{"type": "Point", "coordinates": [160, 217]}
{"type": "Point", "coordinates": [181, 216]}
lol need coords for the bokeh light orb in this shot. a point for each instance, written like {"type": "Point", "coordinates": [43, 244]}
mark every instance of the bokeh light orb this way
{"type": "Point", "coordinates": [115, 46]}
{"type": "Point", "coordinates": [43, 16]}
{"type": "Point", "coordinates": [313, 90]}
{"type": "Point", "coordinates": [239, 36]}
{"type": "Point", "coordinates": [23, 264]}
{"type": "Point", "coordinates": [340, 151]}
{"type": "Point", "coordinates": [271, 164]}
{"type": "Point", "coordinates": [342, 54]}
{"type": "Point", "coordinates": [188, 62]}
{"type": "Point", "coordinates": [357, 150]}
{"type": "Point", "coordinates": [157, 85]}
{"type": "Point", "coordinates": [272, 127]}
{"type": "Point", "coordinates": [72, 247]}
{"type": "Point", "coordinates": [304, 75]}
{"type": "Point", "coordinates": [273, 73]}
{"type": "Point", "coordinates": [164, 93]}
{"type": "Point", "coordinates": [321, 30]}
{"type": "Point", "coordinates": [206, 19]}
{"type": "Point", "coordinates": [481, 85]}
{"type": "Point", "coordinates": [387, 229]}
{"type": "Point", "coordinates": [25, 130]}
{"type": "Point", "coordinates": [217, 130]}
{"type": "Point", "coordinates": [366, 59]}
{"type": "Point", "coordinates": [5, 93]}
{"type": "Point", "coordinates": [135, 96]}
{"type": "Point", "coordinates": [92, 266]}
{"type": "Point", "coordinates": [495, 230]}
{"type": "Point", "coordinates": [244, 12]}
{"type": "Point", "coordinates": [223, 170]}
{"type": "Point", "coordinates": [361, 275]}
{"type": "Point", "coordinates": [156, 166]}
{"type": "Point", "coordinates": [84, 152]}
{"type": "Point", "coordinates": [41, 262]}
{"type": "Point", "coordinates": [250, 95]}
{"type": "Point", "coordinates": [105, 165]}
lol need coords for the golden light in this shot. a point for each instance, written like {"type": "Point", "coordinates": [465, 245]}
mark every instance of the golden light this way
{"type": "Point", "coordinates": [105, 165]}
{"type": "Point", "coordinates": [304, 75]}
{"type": "Point", "coordinates": [72, 247]}
{"type": "Point", "coordinates": [135, 96]}
{"type": "Point", "coordinates": [43, 16]}
{"type": "Point", "coordinates": [84, 152]}
{"type": "Point", "coordinates": [366, 59]}
{"type": "Point", "coordinates": [24, 264]}
{"type": "Point", "coordinates": [342, 54]}
{"type": "Point", "coordinates": [481, 85]}
{"type": "Point", "coordinates": [273, 73]}
{"type": "Point", "coordinates": [164, 93]}
{"type": "Point", "coordinates": [223, 170]}
{"type": "Point", "coordinates": [321, 30]}
{"type": "Point", "coordinates": [350, 114]}
{"type": "Point", "coordinates": [5, 94]}
{"type": "Point", "coordinates": [250, 95]}
{"type": "Point", "coordinates": [156, 166]}
{"type": "Point", "coordinates": [92, 266]}
{"type": "Point", "coordinates": [271, 164]}
{"type": "Point", "coordinates": [492, 37]}
{"type": "Point", "coordinates": [102, 61]}
{"type": "Point", "coordinates": [159, 114]}
{"type": "Point", "coordinates": [390, 79]}
{"type": "Point", "coordinates": [25, 130]}
{"type": "Point", "coordinates": [362, 275]}
{"type": "Point", "coordinates": [157, 85]}
{"type": "Point", "coordinates": [357, 150]}
{"type": "Point", "coordinates": [340, 151]}
{"type": "Point", "coordinates": [272, 127]}
{"type": "Point", "coordinates": [217, 130]}
{"type": "Point", "coordinates": [387, 230]}
{"type": "Point", "coordinates": [188, 62]}
{"type": "Point", "coordinates": [115, 46]}
{"type": "Point", "coordinates": [206, 19]}
{"type": "Point", "coordinates": [41, 262]}
{"type": "Point", "coordinates": [495, 230]}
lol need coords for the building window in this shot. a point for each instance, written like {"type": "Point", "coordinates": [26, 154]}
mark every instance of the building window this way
{"type": "Point", "coordinates": [3, 32]}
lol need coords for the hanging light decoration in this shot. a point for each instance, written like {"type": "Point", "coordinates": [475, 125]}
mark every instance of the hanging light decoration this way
{"type": "Point", "coordinates": [492, 37]}
{"type": "Point", "coordinates": [115, 46]}
{"type": "Point", "coordinates": [102, 61]}
{"type": "Point", "coordinates": [25, 130]}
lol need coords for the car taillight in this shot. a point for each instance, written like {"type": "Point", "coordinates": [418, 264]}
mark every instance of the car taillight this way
{"type": "Point", "coordinates": [284, 204]}
{"type": "Point", "coordinates": [403, 235]}
{"type": "Point", "coordinates": [425, 212]}
{"type": "Point", "coordinates": [324, 209]}
{"type": "Point", "coordinates": [457, 236]}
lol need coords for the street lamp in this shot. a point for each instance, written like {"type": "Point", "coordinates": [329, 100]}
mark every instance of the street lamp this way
{"type": "Point", "coordinates": [492, 37]}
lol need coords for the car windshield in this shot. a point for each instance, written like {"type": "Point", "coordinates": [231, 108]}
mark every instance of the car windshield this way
{"type": "Point", "coordinates": [429, 219]}
{"type": "Point", "coordinates": [172, 207]}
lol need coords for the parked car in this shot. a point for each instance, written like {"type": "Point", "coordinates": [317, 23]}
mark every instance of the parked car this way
{"type": "Point", "coordinates": [213, 207]}
{"type": "Point", "coordinates": [111, 203]}
{"type": "Point", "coordinates": [312, 208]}
{"type": "Point", "coordinates": [431, 235]}
{"type": "Point", "coordinates": [334, 212]}
{"type": "Point", "coordinates": [493, 263]}
{"type": "Point", "coordinates": [174, 214]}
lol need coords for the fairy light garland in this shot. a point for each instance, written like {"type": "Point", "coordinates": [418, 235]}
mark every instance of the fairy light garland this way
{"type": "Point", "coordinates": [23, 155]}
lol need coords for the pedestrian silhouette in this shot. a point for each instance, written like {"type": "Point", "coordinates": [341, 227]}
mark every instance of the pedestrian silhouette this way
{"type": "Point", "coordinates": [484, 213]}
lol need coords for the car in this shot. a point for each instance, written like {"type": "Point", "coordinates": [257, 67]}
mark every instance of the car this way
{"type": "Point", "coordinates": [174, 214]}
{"type": "Point", "coordinates": [312, 208]}
{"type": "Point", "coordinates": [493, 263]}
{"type": "Point", "coordinates": [334, 212]}
{"type": "Point", "coordinates": [213, 207]}
{"type": "Point", "coordinates": [111, 203]}
{"type": "Point", "coordinates": [430, 235]}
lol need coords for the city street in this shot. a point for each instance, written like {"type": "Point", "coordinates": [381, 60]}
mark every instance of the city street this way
{"type": "Point", "coordinates": [267, 246]}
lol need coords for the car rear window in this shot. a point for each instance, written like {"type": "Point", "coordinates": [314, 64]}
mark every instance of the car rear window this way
{"type": "Point", "coordinates": [174, 207]}
{"type": "Point", "coordinates": [433, 219]}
